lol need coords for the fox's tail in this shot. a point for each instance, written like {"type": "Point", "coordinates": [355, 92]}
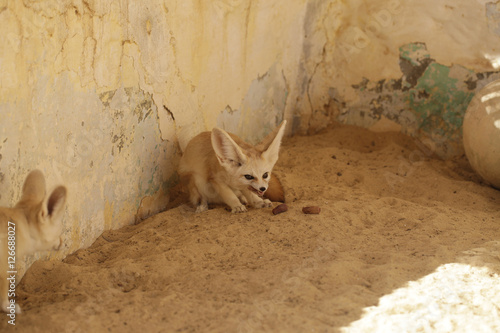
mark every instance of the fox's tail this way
{"type": "Point", "coordinates": [275, 191]}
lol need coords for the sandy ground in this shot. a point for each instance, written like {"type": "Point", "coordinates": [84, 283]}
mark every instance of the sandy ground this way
{"type": "Point", "coordinates": [404, 243]}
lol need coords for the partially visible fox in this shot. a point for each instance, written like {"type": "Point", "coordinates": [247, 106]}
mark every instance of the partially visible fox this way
{"type": "Point", "coordinates": [34, 224]}
{"type": "Point", "coordinates": [219, 167]}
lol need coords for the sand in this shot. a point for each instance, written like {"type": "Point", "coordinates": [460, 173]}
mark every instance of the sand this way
{"type": "Point", "coordinates": [404, 242]}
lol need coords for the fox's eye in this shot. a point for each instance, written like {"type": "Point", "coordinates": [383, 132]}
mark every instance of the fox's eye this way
{"type": "Point", "coordinates": [249, 177]}
{"type": "Point", "coordinates": [264, 176]}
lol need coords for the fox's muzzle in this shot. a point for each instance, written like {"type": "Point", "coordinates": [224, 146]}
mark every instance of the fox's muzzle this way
{"type": "Point", "coordinates": [259, 192]}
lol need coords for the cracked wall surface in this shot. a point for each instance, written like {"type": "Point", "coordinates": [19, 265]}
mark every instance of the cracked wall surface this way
{"type": "Point", "coordinates": [427, 101]}
{"type": "Point", "coordinates": [412, 65]}
{"type": "Point", "coordinates": [103, 95]}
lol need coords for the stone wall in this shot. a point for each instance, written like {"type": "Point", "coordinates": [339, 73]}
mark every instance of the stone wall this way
{"type": "Point", "coordinates": [408, 66]}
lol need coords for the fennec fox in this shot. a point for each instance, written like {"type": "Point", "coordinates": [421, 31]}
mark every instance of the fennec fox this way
{"type": "Point", "coordinates": [34, 224]}
{"type": "Point", "coordinates": [219, 167]}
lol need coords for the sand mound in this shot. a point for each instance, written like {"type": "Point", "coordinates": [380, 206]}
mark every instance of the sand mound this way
{"type": "Point", "coordinates": [391, 214]}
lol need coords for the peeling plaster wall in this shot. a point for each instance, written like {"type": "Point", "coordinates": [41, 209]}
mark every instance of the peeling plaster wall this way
{"type": "Point", "coordinates": [415, 65]}
{"type": "Point", "coordinates": [103, 95]}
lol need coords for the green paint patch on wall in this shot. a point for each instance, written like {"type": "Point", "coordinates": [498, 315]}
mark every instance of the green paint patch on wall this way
{"type": "Point", "coordinates": [429, 100]}
{"type": "Point", "coordinates": [438, 101]}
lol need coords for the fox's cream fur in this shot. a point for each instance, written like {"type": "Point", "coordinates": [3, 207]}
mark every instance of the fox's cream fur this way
{"type": "Point", "coordinates": [37, 219]}
{"type": "Point", "coordinates": [219, 167]}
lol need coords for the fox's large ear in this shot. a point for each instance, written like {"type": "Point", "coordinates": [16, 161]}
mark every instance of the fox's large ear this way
{"type": "Point", "coordinates": [56, 203]}
{"type": "Point", "coordinates": [226, 149]}
{"type": "Point", "coordinates": [271, 144]}
{"type": "Point", "coordinates": [33, 189]}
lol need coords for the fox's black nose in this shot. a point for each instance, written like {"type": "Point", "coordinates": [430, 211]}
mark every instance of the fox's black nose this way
{"type": "Point", "coordinates": [262, 189]}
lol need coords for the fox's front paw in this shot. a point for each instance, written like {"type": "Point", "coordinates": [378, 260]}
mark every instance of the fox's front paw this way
{"type": "Point", "coordinates": [262, 203]}
{"type": "Point", "coordinates": [239, 209]}
{"type": "Point", "coordinates": [201, 208]}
